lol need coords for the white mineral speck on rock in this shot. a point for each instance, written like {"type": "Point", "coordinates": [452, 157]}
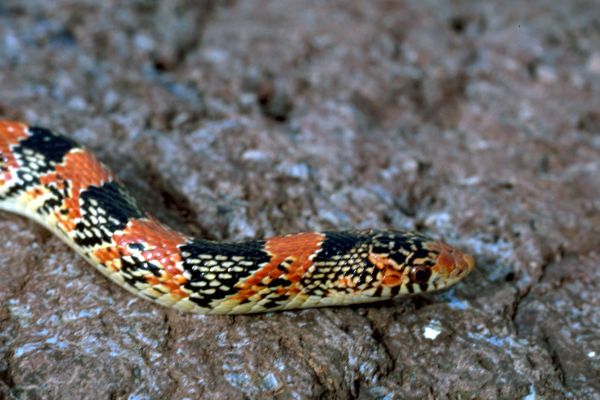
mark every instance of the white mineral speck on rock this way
{"type": "Point", "coordinates": [77, 103]}
{"type": "Point", "coordinates": [531, 395]}
{"type": "Point", "coordinates": [439, 220]}
{"type": "Point", "coordinates": [216, 56]}
{"type": "Point", "coordinates": [547, 74]}
{"type": "Point", "coordinates": [297, 170]}
{"type": "Point", "coordinates": [593, 64]}
{"type": "Point", "coordinates": [432, 330]}
{"type": "Point", "coordinates": [144, 42]}
{"type": "Point", "coordinates": [270, 382]}
{"type": "Point", "coordinates": [255, 155]}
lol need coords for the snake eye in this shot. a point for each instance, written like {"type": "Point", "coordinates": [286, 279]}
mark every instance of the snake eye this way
{"type": "Point", "coordinates": [420, 274]}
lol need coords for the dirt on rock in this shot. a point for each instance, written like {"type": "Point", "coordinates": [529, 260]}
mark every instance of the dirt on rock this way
{"type": "Point", "coordinates": [474, 121]}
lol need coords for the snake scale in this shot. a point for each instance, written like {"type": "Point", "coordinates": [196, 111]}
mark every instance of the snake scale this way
{"type": "Point", "coordinates": [51, 179]}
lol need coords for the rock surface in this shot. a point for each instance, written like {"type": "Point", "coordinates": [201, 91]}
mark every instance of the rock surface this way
{"type": "Point", "coordinates": [472, 121]}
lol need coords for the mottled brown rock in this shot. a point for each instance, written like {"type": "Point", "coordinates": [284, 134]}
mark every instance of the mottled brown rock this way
{"type": "Point", "coordinates": [473, 121]}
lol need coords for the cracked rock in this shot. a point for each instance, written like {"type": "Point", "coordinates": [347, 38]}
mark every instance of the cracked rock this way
{"type": "Point", "coordinates": [471, 120]}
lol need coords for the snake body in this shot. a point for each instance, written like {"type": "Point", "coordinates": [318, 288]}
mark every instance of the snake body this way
{"type": "Point", "coordinates": [51, 179]}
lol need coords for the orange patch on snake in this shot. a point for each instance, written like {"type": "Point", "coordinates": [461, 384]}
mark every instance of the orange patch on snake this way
{"type": "Point", "coordinates": [82, 170]}
{"type": "Point", "coordinates": [345, 283]}
{"type": "Point", "coordinates": [295, 252]}
{"type": "Point", "coordinates": [106, 256]}
{"type": "Point", "coordinates": [391, 276]}
{"type": "Point", "coordinates": [445, 262]}
{"type": "Point", "coordinates": [161, 244]}
{"type": "Point", "coordinates": [35, 192]}
{"type": "Point", "coordinates": [11, 133]}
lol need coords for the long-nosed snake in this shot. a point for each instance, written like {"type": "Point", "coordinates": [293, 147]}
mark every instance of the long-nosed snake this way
{"type": "Point", "coordinates": [51, 179]}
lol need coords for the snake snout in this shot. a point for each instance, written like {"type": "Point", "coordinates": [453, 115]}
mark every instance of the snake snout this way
{"type": "Point", "coordinates": [452, 264]}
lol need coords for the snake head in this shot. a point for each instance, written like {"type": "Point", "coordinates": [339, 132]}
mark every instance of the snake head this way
{"type": "Point", "coordinates": [451, 265]}
{"type": "Point", "coordinates": [413, 263]}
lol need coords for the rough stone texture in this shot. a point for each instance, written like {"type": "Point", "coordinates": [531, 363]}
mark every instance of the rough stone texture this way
{"type": "Point", "coordinates": [474, 121]}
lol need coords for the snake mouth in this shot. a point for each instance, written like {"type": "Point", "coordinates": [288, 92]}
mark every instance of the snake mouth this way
{"type": "Point", "coordinates": [452, 264]}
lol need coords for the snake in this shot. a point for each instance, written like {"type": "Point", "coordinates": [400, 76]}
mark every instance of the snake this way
{"type": "Point", "coordinates": [50, 179]}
